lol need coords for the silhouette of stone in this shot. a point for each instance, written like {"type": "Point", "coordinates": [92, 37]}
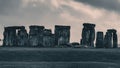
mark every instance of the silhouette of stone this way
{"type": "Point", "coordinates": [36, 35]}
{"type": "Point", "coordinates": [115, 40]}
{"type": "Point", "coordinates": [22, 37]}
{"type": "Point", "coordinates": [48, 38]}
{"type": "Point", "coordinates": [111, 40]}
{"type": "Point", "coordinates": [88, 35]}
{"type": "Point", "coordinates": [10, 35]}
{"type": "Point", "coordinates": [99, 40]}
{"type": "Point", "coordinates": [62, 35]}
{"type": "Point", "coordinates": [108, 40]}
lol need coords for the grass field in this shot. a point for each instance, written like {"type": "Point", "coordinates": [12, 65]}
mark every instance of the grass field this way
{"type": "Point", "coordinates": [58, 65]}
{"type": "Point", "coordinates": [19, 57]}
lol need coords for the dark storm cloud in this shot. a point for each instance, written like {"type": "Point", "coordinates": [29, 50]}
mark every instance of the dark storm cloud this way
{"type": "Point", "coordinates": [7, 6]}
{"type": "Point", "coordinates": [113, 5]}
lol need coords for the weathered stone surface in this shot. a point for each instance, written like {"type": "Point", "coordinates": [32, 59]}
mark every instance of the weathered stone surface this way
{"type": "Point", "coordinates": [62, 35]}
{"type": "Point", "coordinates": [36, 35]}
{"type": "Point", "coordinates": [100, 40]}
{"type": "Point", "coordinates": [111, 40]}
{"type": "Point", "coordinates": [88, 35]}
{"type": "Point", "coordinates": [115, 40]}
{"type": "Point", "coordinates": [22, 37]}
{"type": "Point", "coordinates": [10, 35]}
{"type": "Point", "coordinates": [48, 38]}
{"type": "Point", "coordinates": [108, 40]}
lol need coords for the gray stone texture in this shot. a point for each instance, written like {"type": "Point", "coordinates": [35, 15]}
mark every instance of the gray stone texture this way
{"type": "Point", "coordinates": [88, 35]}
{"type": "Point", "coordinates": [62, 35]}
{"type": "Point", "coordinates": [100, 40]}
{"type": "Point", "coordinates": [22, 37]}
{"type": "Point", "coordinates": [36, 36]}
{"type": "Point", "coordinates": [48, 38]}
{"type": "Point", "coordinates": [11, 37]}
{"type": "Point", "coordinates": [111, 40]}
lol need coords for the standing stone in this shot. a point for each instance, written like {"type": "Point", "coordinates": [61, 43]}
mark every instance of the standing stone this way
{"type": "Point", "coordinates": [115, 40]}
{"type": "Point", "coordinates": [100, 40]}
{"type": "Point", "coordinates": [88, 35]}
{"type": "Point", "coordinates": [108, 40]}
{"type": "Point", "coordinates": [9, 36]}
{"type": "Point", "coordinates": [36, 36]}
{"type": "Point", "coordinates": [48, 38]}
{"type": "Point", "coordinates": [111, 40]}
{"type": "Point", "coordinates": [92, 36]}
{"type": "Point", "coordinates": [22, 36]}
{"type": "Point", "coordinates": [85, 36]}
{"type": "Point", "coordinates": [62, 35]}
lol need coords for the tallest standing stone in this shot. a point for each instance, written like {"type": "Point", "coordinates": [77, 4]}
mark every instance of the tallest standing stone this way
{"type": "Point", "coordinates": [88, 35]}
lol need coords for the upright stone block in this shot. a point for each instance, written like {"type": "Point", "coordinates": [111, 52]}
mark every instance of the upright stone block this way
{"type": "Point", "coordinates": [62, 35]}
{"type": "Point", "coordinates": [9, 36]}
{"type": "Point", "coordinates": [85, 36]}
{"type": "Point", "coordinates": [108, 40]}
{"type": "Point", "coordinates": [100, 40]}
{"type": "Point", "coordinates": [88, 35]}
{"type": "Point", "coordinates": [92, 37]}
{"type": "Point", "coordinates": [111, 41]}
{"type": "Point", "coordinates": [36, 36]}
{"type": "Point", "coordinates": [22, 37]}
{"type": "Point", "coordinates": [48, 38]}
{"type": "Point", "coordinates": [115, 40]}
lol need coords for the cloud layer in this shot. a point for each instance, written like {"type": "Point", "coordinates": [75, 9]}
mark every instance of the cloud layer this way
{"type": "Point", "coordinates": [106, 4]}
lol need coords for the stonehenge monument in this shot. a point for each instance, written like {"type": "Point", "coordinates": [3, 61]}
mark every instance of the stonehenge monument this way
{"type": "Point", "coordinates": [39, 36]}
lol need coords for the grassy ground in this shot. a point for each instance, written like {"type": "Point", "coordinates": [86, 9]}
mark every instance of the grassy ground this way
{"type": "Point", "coordinates": [58, 65]}
{"type": "Point", "coordinates": [58, 58]}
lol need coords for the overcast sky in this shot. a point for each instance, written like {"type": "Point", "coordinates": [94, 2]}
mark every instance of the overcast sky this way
{"type": "Point", "coordinates": [104, 13]}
